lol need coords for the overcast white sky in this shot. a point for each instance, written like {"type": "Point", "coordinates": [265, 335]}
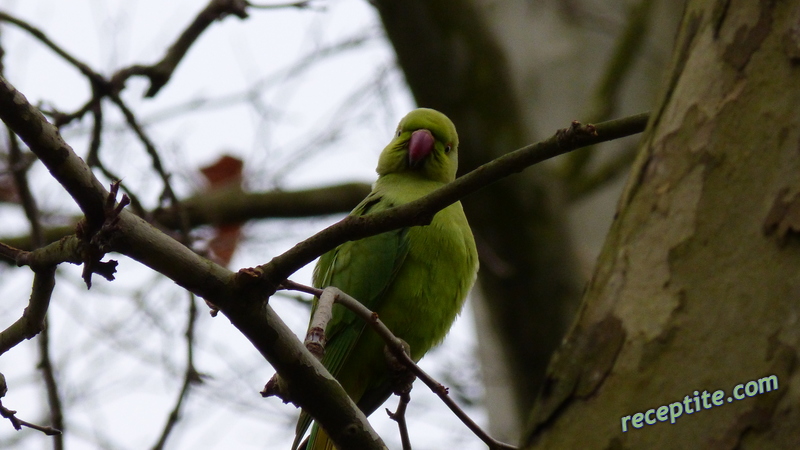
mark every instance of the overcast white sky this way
{"type": "Point", "coordinates": [119, 348]}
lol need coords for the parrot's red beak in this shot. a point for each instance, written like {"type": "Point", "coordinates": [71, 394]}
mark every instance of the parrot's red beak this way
{"type": "Point", "coordinates": [420, 146]}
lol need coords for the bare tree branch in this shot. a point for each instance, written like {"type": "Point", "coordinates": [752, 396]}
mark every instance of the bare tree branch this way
{"type": "Point", "coordinates": [243, 297]}
{"type": "Point", "coordinates": [45, 141]}
{"type": "Point", "coordinates": [32, 320]}
{"type": "Point", "coordinates": [34, 317]}
{"type": "Point", "coordinates": [42, 37]}
{"type": "Point", "coordinates": [190, 376]}
{"type": "Point", "coordinates": [93, 155]}
{"type": "Point", "coordinates": [45, 363]}
{"type": "Point", "coordinates": [398, 349]}
{"type": "Point", "coordinates": [607, 95]}
{"type": "Point", "coordinates": [231, 205]}
{"type": "Point", "coordinates": [421, 211]}
{"type": "Point", "coordinates": [19, 172]}
{"type": "Point", "coordinates": [399, 416]}
{"type": "Point", "coordinates": [51, 387]}
{"type": "Point", "coordinates": [16, 422]}
{"type": "Point", "coordinates": [66, 249]}
{"type": "Point", "coordinates": [244, 305]}
{"type": "Point", "coordinates": [161, 72]}
{"type": "Point", "coordinates": [168, 193]}
{"type": "Point", "coordinates": [299, 5]}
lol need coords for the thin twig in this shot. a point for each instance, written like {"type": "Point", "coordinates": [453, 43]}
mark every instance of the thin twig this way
{"type": "Point", "coordinates": [607, 92]}
{"type": "Point", "coordinates": [303, 4]}
{"type": "Point", "coordinates": [97, 81]}
{"type": "Point", "coordinates": [93, 156]}
{"type": "Point", "coordinates": [399, 416]}
{"type": "Point", "coordinates": [190, 376]}
{"type": "Point", "coordinates": [150, 147]}
{"type": "Point", "coordinates": [18, 170]}
{"type": "Point", "coordinates": [442, 391]}
{"type": "Point", "coordinates": [51, 386]}
{"type": "Point", "coordinates": [248, 93]}
{"type": "Point", "coordinates": [623, 58]}
{"type": "Point", "coordinates": [231, 205]}
{"type": "Point", "coordinates": [397, 348]}
{"type": "Point", "coordinates": [60, 118]}
{"type": "Point", "coordinates": [45, 141]}
{"type": "Point", "coordinates": [42, 37]}
{"type": "Point", "coordinates": [45, 363]}
{"type": "Point", "coordinates": [67, 249]}
{"type": "Point", "coordinates": [18, 423]}
{"type": "Point", "coordinates": [315, 337]}
{"type": "Point", "coordinates": [100, 88]}
{"type": "Point", "coordinates": [32, 320]}
{"type": "Point", "coordinates": [10, 253]}
{"type": "Point", "coordinates": [160, 73]}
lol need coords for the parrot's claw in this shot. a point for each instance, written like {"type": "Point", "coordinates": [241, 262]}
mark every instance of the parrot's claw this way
{"type": "Point", "coordinates": [401, 378]}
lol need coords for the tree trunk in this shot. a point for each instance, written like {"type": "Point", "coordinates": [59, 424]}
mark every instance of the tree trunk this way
{"type": "Point", "coordinates": [697, 289]}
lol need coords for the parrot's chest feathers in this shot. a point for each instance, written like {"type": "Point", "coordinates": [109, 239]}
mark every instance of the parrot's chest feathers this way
{"type": "Point", "coordinates": [416, 279]}
{"type": "Point", "coordinates": [431, 285]}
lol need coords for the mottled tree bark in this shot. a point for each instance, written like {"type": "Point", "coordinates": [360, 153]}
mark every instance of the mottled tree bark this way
{"type": "Point", "coordinates": [697, 288]}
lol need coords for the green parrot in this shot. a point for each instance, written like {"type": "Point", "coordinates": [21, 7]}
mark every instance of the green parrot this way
{"type": "Point", "coordinates": [416, 278]}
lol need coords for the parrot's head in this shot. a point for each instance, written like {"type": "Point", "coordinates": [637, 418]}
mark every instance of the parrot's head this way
{"type": "Point", "coordinates": [426, 143]}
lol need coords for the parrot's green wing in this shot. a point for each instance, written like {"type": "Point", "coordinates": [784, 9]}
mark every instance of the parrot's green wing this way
{"type": "Point", "coordinates": [345, 267]}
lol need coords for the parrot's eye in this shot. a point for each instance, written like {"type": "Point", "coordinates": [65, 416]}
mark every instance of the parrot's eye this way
{"type": "Point", "coordinates": [399, 132]}
{"type": "Point", "coordinates": [447, 148]}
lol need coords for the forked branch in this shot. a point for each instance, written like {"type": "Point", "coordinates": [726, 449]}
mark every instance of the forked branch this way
{"type": "Point", "coordinates": [398, 349]}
